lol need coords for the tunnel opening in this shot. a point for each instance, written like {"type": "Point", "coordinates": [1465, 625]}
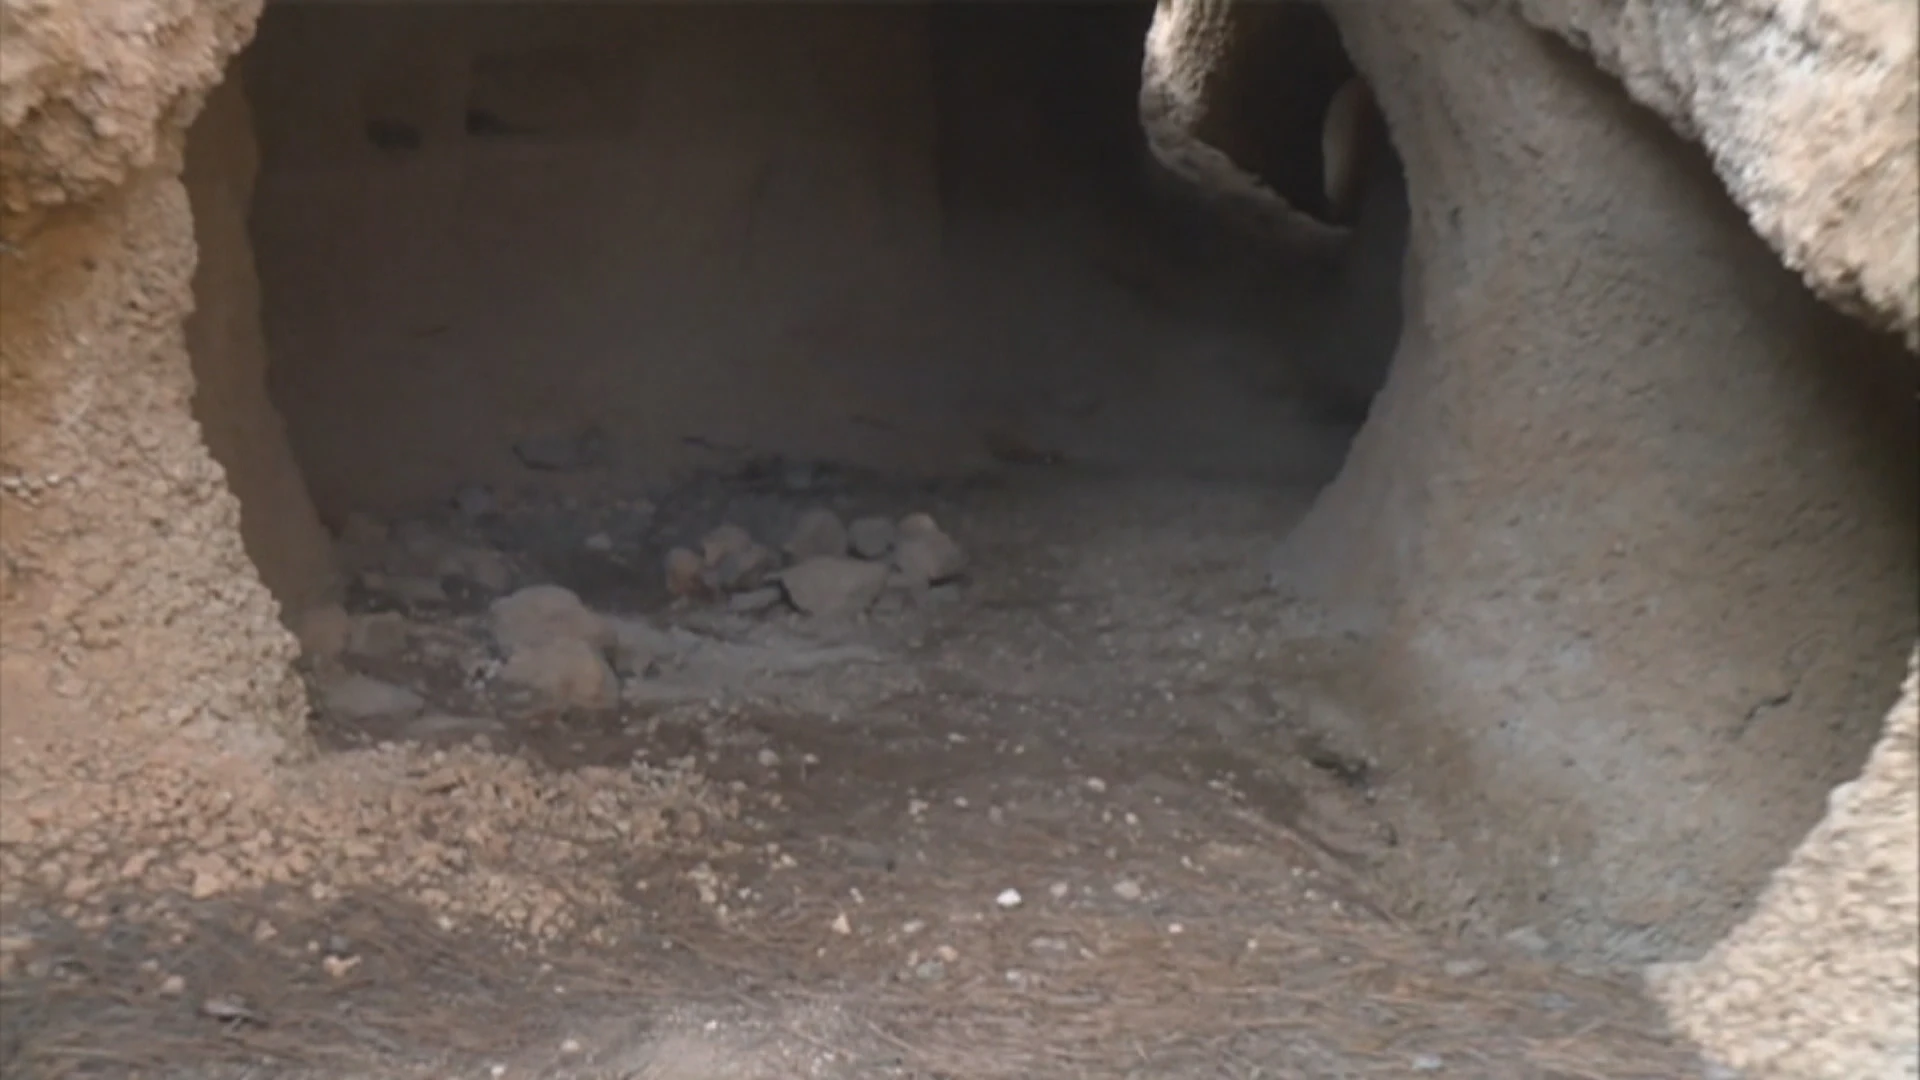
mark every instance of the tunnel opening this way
{"type": "Point", "coordinates": [622, 299]}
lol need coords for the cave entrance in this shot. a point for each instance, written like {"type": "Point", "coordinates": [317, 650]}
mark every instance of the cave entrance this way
{"type": "Point", "coordinates": [513, 253]}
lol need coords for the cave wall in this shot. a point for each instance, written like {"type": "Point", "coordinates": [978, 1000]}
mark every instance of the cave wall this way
{"type": "Point", "coordinates": [283, 535]}
{"type": "Point", "coordinates": [662, 222]}
{"type": "Point", "coordinates": [1632, 527]}
{"type": "Point", "coordinates": [127, 602]}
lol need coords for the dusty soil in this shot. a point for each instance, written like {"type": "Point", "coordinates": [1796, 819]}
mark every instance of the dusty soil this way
{"type": "Point", "coordinates": [1085, 811]}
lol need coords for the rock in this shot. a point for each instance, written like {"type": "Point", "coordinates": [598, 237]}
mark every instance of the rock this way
{"type": "Point", "coordinates": [755, 601]}
{"type": "Point", "coordinates": [484, 567]}
{"type": "Point", "coordinates": [562, 451]}
{"type": "Point", "coordinates": [443, 725]}
{"type": "Point", "coordinates": [563, 672]}
{"type": "Point", "coordinates": [686, 573]}
{"type": "Point", "coordinates": [723, 541]}
{"type": "Point", "coordinates": [834, 586]}
{"type": "Point", "coordinates": [924, 554]}
{"type": "Point", "coordinates": [360, 697]}
{"type": "Point", "coordinates": [739, 571]}
{"type": "Point", "coordinates": [323, 631]}
{"type": "Point", "coordinates": [1128, 889]}
{"type": "Point", "coordinates": [383, 634]}
{"type": "Point", "coordinates": [818, 533]}
{"type": "Point", "coordinates": [405, 588]}
{"type": "Point", "coordinates": [638, 645]}
{"type": "Point", "coordinates": [871, 537]}
{"type": "Point", "coordinates": [1528, 939]}
{"type": "Point", "coordinates": [540, 614]}
{"type": "Point", "coordinates": [599, 541]}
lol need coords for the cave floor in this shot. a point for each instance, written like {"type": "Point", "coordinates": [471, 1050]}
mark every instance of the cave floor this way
{"type": "Point", "coordinates": [1081, 813]}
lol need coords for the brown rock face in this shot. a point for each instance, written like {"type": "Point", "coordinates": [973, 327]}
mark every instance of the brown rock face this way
{"type": "Point", "coordinates": [1630, 530]}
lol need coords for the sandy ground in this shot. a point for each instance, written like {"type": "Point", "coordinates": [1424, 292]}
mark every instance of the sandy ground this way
{"type": "Point", "coordinates": [1082, 812]}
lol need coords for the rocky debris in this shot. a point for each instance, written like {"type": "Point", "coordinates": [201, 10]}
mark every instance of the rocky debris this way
{"type": "Point", "coordinates": [834, 586]}
{"type": "Point", "coordinates": [563, 451]}
{"type": "Point", "coordinates": [924, 554]}
{"type": "Point", "coordinates": [563, 672]}
{"type": "Point", "coordinates": [871, 537]}
{"type": "Point", "coordinates": [381, 634]}
{"type": "Point", "coordinates": [733, 561]}
{"type": "Point", "coordinates": [686, 574]}
{"type": "Point", "coordinates": [818, 533]}
{"type": "Point", "coordinates": [539, 614]}
{"type": "Point", "coordinates": [756, 601]}
{"type": "Point", "coordinates": [323, 631]}
{"type": "Point", "coordinates": [484, 567]}
{"type": "Point", "coordinates": [639, 645]}
{"type": "Point", "coordinates": [351, 696]}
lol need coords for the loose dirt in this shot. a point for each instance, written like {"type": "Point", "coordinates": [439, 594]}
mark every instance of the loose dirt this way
{"type": "Point", "coordinates": [1088, 810]}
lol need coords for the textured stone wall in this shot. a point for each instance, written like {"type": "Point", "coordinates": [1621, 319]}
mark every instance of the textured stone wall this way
{"type": "Point", "coordinates": [127, 595]}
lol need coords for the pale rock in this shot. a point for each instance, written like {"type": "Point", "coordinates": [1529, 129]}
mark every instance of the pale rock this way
{"type": "Point", "coordinates": [360, 697]}
{"type": "Point", "coordinates": [818, 533]}
{"type": "Point", "coordinates": [833, 586]}
{"type": "Point", "coordinates": [924, 554]}
{"type": "Point", "coordinates": [563, 672]}
{"type": "Point", "coordinates": [542, 614]}
{"type": "Point", "coordinates": [871, 537]}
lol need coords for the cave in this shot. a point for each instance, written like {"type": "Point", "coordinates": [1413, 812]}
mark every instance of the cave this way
{"type": "Point", "coordinates": [1441, 420]}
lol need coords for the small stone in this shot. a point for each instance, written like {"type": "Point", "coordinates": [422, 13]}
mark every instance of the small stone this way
{"type": "Point", "coordinates": [1058, 890]}
{"type": "Point", "coordinates": [383, 634]}
{"type": "Point", "coordinates": [722, 541]}
{"type": "Point", "coordinates": [1428, 1063]}
{"type": "Point", "coordinates": [1528, 939]}
{"type": "Point", "coordinates": [819, 533]}
{"type": "Point", "coordinates": [833, 586]}
{"type": "Point", "coordinates": [323, 631]}
{"type": "Point", "coordinates": [409, 588]}
{"type": "Point", "coordinates": [173, 986]}
{"type": "Point", "coordinates": [1008, 898]}
{"type": "Point", "coordinates": [599, 541]}
{"type": "Point", "coordinates": [570, 1046]}
{"type": "Point", "coordinates": [947, 953]}
{"type": "Point", "coordinates": [924, 554]}
{"type": "Point", "coordinates": [564, 672]}
{"type": "Point", "coordinates": [338, 966]}
{"type": "Point", "coordinates": [685, 573]}
{"type": "Point", "coordinates": [1465, 968]}
{"type": "Point", "coordinates": [929, 971]}
{"type": "Point", "coordinates": [755, 601]}
{"type": "Point", "coordinates": [361, 697]}
{"type": "Point", "coordinates": [1096, 785]}
{"type": "Point", "coordinates": [871, 537]}
{"type": "Point", "coordinates": [484, 567]}
{"type": "Point", "coordinates": [742, 570]}
{"type": "Point", "coordinates": [540, 614]}
{"type": "Point", "coordinates": [1128, 889]}
{"type": "Point", "coordinates": [841, 925]}
{"type": "Point", "coordinates": [768, 759]}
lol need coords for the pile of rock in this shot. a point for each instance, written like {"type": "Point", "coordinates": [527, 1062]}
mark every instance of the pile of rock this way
{"type": "Point", "coordinates": [825, 568]}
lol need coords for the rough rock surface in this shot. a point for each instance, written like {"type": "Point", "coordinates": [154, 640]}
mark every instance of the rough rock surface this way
{"type": "Point", "coordinates": [539, 614]}
{"type": "Point", "coordinates": [95, 93]}
{"type": "Point", "coordinates": [1822, 150]}
{"type": "Point", "coordinates": [1776, 998]}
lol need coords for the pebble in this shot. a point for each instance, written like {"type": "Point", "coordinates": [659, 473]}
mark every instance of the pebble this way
{"type": "Point", "coordinates": [541, 614]}
{"type": "Point", "coordinates": [599, 541]}
{"type": "Point", "coordinates": [1008, 898]}
{"type": "Point", "coordinates": [323, 631]}
{"type": "Point", "coordinates": [755, 601]}
{"type": "Point", "coordinates": [1528, 939]}
{"type": "Point", "coordinates": [362, 697]}
{"type": "Point", "coordinates": [871, 537]}
{"type": "Point", "coordinates": [832, 586]}
{"type": "Point", "coordinates": [564, 672]}
{"type": "Point", "coordinates": [1127, 889]}
{"type": "Point", "coordinates": [924, 554]}
{"type": "Point", "coordinates": [685, 573]}
{"type": "Point", "coordinates": [818, 533]}
{"type": "Point", "coordinates": [1465, 968]}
